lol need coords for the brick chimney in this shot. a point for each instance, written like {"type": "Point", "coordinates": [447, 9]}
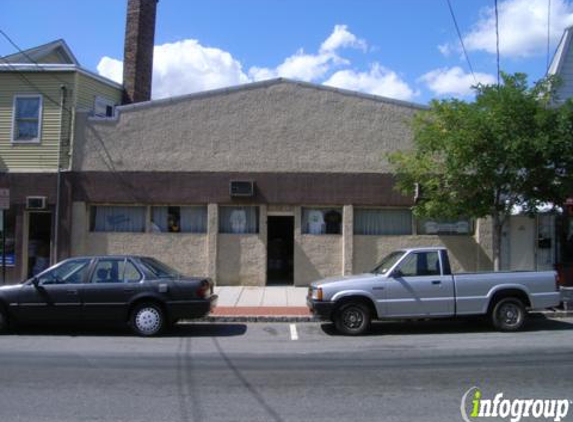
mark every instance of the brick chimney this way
{"type": "Point", "coordinates": [138, 50]}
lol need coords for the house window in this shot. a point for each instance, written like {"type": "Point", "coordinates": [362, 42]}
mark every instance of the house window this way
{"type": "Point", "coordinates": [103, 107]}
{"type": "Point", "coordinates": [382, 222]}
{"type": "Point", "coordinates": [445, 226]}
{"type": "Point", "coordinates": [117, 219]}
{"type": "Point", "coordinates": [27, 113]}
{"type": "Point", "coordinates": [239, 220]}
{"type": "Point", "coordinates": [322, 220]}
{"type": "Point", "coordinates": [179, 219]}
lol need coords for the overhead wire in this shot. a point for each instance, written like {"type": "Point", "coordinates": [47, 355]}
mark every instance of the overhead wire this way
{"type": "Point", "coordinates": [548, 32]}
{"type": "Point", "coordinates": [23, 52]}
{"type": "Point", "coordinates": [461, 40]}
{"type": "Point", "coordinates": [497, 41]}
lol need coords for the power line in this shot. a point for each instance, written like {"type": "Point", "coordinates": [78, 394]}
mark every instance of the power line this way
{"type": "Point", "coordinates": [461, 40]}
{"type": "Point", "coordinates": [497, 41]}
{"type": "Point", "coordinates": [5, 35]}
{"type": "Point", "coordinates": [548, 31]}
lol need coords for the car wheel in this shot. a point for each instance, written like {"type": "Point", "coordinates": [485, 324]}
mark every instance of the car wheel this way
{"type": "Point", "coordinates": [147, 319]}
{"type": "Point", "coordinates": [352, 319]}
{"type": "Point", "coordinates": [508, 314]}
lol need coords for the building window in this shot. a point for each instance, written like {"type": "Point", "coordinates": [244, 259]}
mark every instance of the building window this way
{"type": "Point", "coordinates": [445, 226]}
{"type": "Point", "coordinates": [382, 222]}
{"type": "Point", "coordinates": [27, 113]}
{"type": "Point", "coordinates": [322, 220]}
{"type": "Point", "coordinates": [117, 219]}
{"type": "Point", "coordinates": [179, 219]}
{"type": "Point", "coordinates": [239, 220]}
{"type": "Point", "coordinates": [103, 107]}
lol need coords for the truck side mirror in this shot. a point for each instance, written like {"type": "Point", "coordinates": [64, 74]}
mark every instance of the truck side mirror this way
{"type": "Point", "coordinates": [397, 274]}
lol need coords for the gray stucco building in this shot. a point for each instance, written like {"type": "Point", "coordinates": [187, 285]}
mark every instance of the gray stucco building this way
{"type": "Point", "coordinates": [159, 178]}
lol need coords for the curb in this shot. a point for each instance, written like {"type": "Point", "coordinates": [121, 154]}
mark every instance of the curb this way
{"type": "Point", "coordinates": [260, 318]}
{"type": "Point", "coordinates": [557, 314]}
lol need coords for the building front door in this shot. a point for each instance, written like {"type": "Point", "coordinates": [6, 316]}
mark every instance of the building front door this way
{"type": "Point", "coordinates": [280, 253]}
{"type": "Point", "coordinates": [39, 242]}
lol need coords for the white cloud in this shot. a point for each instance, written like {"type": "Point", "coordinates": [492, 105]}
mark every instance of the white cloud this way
{"type": "Point", "coordinates": [378, 81]}
{"type": "Point", "coordinates": [184, 67]}
{"type": "Point", "coordinates": [312, 67]}
{"type": "Point", "coordinates": [454, 81]}
{"type": "Point", "coordinates": [111, 68]}
{"type": "Point", "coordinates": [342, 38]}
{"type": "Point", "coordinates": [306, 67]}
{"type": "Point", "coordinates": [522, 27]}
{"type": "Point", "coordinates": [445, 49]}
{"type": "Point", "coordinates": [187, 66]}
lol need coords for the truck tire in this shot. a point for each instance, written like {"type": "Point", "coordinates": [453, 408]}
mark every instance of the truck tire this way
{"type": "Point", "coordinates": [508, 314]}
{"type": "Point", "coordinates": [352, 318]}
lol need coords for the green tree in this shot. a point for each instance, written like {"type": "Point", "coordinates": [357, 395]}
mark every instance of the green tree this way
{"type": "Point", "coordinates": [511, 147]}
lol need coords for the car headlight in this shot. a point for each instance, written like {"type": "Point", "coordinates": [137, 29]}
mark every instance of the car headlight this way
{"type": "Point", "coordinates": [317, 293]}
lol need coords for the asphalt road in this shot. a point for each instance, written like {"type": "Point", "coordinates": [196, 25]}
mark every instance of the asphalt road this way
{"type": "Point", "coordinates": [273, 372]}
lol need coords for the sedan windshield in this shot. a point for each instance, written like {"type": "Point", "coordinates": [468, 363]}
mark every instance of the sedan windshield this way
{"type": "Point", "coordinates": [159, 269]}
{"type": "Point", "coordinates": [388, 262]}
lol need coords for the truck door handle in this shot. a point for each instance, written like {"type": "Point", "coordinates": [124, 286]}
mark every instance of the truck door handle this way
{"type": "Point", "coordinates": [436, 282]}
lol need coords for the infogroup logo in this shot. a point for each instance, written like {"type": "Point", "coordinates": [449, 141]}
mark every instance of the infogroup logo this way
{"type": "Point", "coordinates": [475, 407]}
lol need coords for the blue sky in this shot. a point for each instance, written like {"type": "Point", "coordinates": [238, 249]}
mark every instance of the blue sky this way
{"type": "Point", "coordinates": [405, 49]}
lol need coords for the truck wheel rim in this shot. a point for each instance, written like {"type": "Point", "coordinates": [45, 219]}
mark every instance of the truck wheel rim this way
{"type": "Point", "coordinates": [510, 314]}
{"type": "Point", "coordinates": [353, 318]}
{"type": "Point", "coordinates": [148, 320]}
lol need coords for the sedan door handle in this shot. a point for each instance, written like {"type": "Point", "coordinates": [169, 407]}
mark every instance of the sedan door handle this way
{"type": "Point", "coordinates": [436, 282]}
{"type": "Point", "coordinates": [72, 292]}
{"type": "Point", "coordinates": [126, 290]}
{"type": "Point", "coordinates": [378, 288]}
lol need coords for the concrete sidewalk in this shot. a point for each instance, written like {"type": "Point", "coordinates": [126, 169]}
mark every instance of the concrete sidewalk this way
{"type": "Point", "coordinates": [268, 303]}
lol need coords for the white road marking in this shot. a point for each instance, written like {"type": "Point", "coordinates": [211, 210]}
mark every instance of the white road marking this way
{"type": "Point", "coordinates": [293, 332]}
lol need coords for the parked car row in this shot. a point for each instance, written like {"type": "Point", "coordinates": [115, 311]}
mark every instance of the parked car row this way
{"type": "Point", "coordinates": [149, 296]}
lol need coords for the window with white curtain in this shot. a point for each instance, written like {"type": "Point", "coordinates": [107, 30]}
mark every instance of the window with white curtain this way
{"type": "Point", "coordinates": [175, 219]}
{"type": "Point", "coordinates": [239, 220]}
{"type": "Point", "coordinates": [445, 226]}
{"type": "Point", "coordinates": [105, 218]}
{"type": "Point", "coordinates": [322, 220]}
{"type": "Point", "coordinates": [27, 114]}
{"type": "Point", "coordinates": [381, 222]}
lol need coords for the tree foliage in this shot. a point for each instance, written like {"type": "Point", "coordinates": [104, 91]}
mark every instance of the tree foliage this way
{"type": "Point", "coordinates": [510, 147]}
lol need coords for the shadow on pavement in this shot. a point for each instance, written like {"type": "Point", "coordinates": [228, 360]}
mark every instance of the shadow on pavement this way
{"type": "Point", "coordinates": [448, 326]}
{"type": "Point", "coordinates": [179, 330]}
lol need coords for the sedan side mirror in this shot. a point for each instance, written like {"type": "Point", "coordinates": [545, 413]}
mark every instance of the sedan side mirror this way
{"type": "Point", "coordinates": [35, 282]}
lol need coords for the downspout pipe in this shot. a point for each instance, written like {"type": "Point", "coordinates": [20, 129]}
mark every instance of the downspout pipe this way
{"type": "Point", "coordinates": [63, 93]}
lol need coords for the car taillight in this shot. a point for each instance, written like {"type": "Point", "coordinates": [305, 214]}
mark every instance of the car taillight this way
{"type": "Point", "coordinates": [204, 289]}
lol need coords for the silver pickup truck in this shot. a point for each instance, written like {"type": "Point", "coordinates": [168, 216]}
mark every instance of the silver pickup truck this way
{"type": "Point", "coordinates": [418, 283]}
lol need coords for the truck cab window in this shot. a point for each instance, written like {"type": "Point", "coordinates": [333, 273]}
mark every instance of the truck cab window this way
{"type": "Point", "coordinates": [421, 264]}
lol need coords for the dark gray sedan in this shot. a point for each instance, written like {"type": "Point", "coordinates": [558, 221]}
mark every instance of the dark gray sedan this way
{"type": "Point", "coordinates": [140, 291]}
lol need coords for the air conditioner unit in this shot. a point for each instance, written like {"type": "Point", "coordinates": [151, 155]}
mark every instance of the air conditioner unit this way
{"type": "Point", "coordinates": [242, 188]}
{"type": "Point", "coordinates": [36, 202]}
